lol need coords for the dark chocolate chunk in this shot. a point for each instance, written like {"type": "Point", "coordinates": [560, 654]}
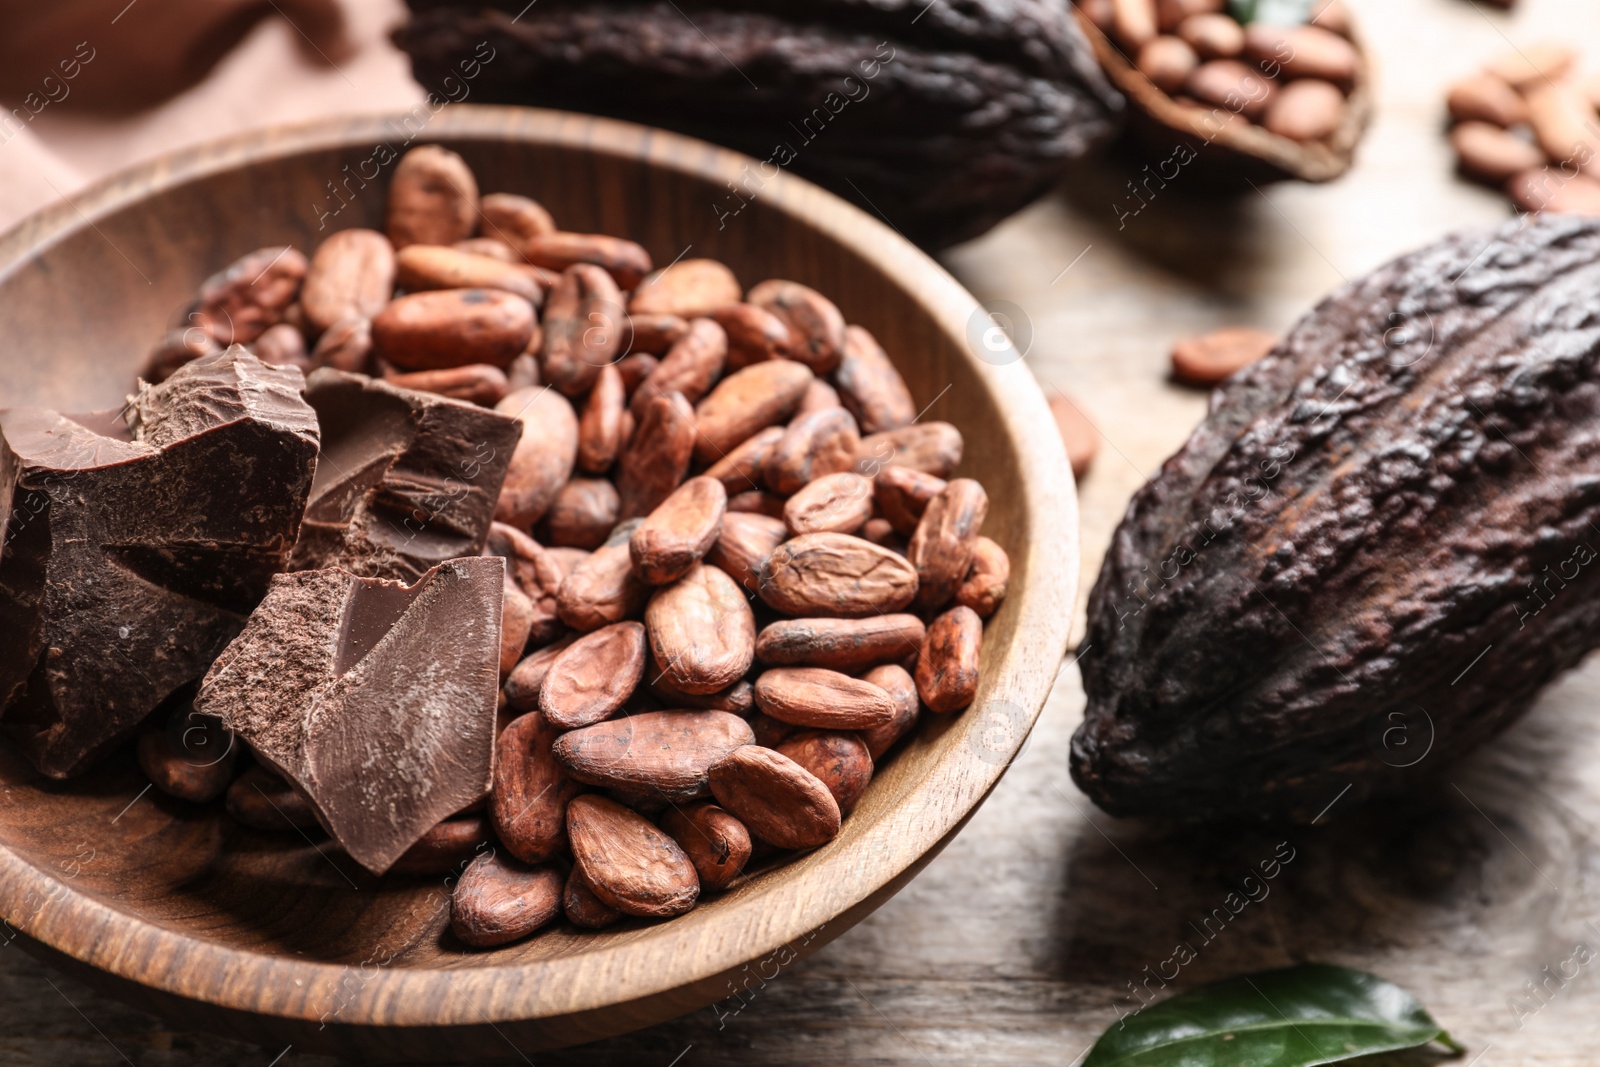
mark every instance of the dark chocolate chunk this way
{"type": "Point", "coordinates": [136, 543]}
{"type": "Point", "coordinates": [406, 479]}
{"type": "Point", "coordinates": [375, 699]}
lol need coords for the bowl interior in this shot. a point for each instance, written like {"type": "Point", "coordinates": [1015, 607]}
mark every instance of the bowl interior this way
{"type": "Point", "coordinates": [86, 291]}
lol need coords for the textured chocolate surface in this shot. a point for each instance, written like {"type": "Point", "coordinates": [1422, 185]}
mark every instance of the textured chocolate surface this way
{"type": "Point", "coordinates": [374, 698]}
{"type": "Point", "coordinates": [136, 542]}
{"type": "Point", "coordinates": [405, 481]}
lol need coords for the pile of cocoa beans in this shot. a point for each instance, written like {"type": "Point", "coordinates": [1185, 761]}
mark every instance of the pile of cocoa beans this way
{"type": "Point", "coordinates": [739, 567]}
{"type": "Point", "coordinates": [1527, 123]}
{"type": "Point", "coordinates": [1291, 80]}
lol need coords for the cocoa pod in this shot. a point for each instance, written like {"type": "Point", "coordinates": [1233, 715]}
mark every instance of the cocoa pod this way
{"type": "Point", "coordinates": [818, 697]}
{"type": "Point", "coordinates": [745, 403]}
{"type": "Point", "coordinates": [816, 328]}
{"type": "Point", "coordinates": [822, 442]}
{"type": "Point", "coordinates": [745, 543]}
{"type": "Point", "coordinates": [834, 503]}
{"type": "Point", "coordinates": [419, 268]}
{"type": "Point", "coordinates": [716, 843]}
{"type": "Point", "coordinates": [947, 668]}
{"type": "Point", "coordinates": [902, 689]}
{"type": "Point", "coordinates": [657, 753]}
{"type": "Point", "coordinates": [818, 395]}
{"type": "Point", "coordinates": [237, 304]}
{"type": "Point", "coordinates": [516, 624]}
{"type": "Point", "coordinates": [846, 645]}
{"type": "Point", "coordinates": [740, 469]}
{"type": "Point", "coordinates": [838, 575]}
{"type": "Point", "coordinates": [346, 346]}
{"type": "Point", "coordinates": [543, 459]}
{"type": "Point", "coordinates": [448, 847]}
{"type": "Point", "coordinates": [583, 513]}
{"type": "Point", "coordinates": [657, 457]}
{"type": "Point", "coordinates": [839, 761]}
{"type": "Point", "coordinates": [652, 335]}
{"type": "Point", "coordinates": [1221, 707]}
{"type": "Point", "coordinates": [626, 261]}
{"type": "Point", "coordinates": [452, 327]}
{"type": "Point", "coordinates": [755, 335]}
{"type": "Point", "coordinates": [778, 800]}
{"type": "Point", "coordinates": [984, 587]}
{"type": "Point", "coordinates": [941, 549]}
{"type": "Point", "coordinates": [679, 532]}
{"type": "Point", "coordinates": [702, 631]}
{"type": "Point", "coordinates": [523, 685]}
{"type": "Point", "coordinates": [433, 199]}
{"type": "Point", "coordinates": [689, 367]}
{"type": "Point", "coordinates": [870, 387]}
{"type": "Point", "coordinates": [627, 863]}
{"type": "Point", "coordinates": [602, 589]}
{"type": "Point", "coordinates": [514, 220]}
{"type": "Point", "coordinates": [902, 495]}
{"type": "Point", "coordinates": [528, 804]}
{"type": "Point", "coordinates": [188, 755]}
{"type": "Point", "coordinates": [600, 425]}
{"type": "Point", "coordinates": [931, 447]}
{"type": "Point", "coordinates": [583, 329]}
{"type": "Point", "coordinates": [583, 908]}
{"type": "Point", "coordinates": [498, 900]}
{"type": "Point", "coordinates": [262, 800]}
{"type": "Point", "coordinates": [689, 288]}
{"type": "Point", "coordinates": [476, 383]}
{"type": "Point", "coordinates": [590, 681]}
{"type": "Point", "coordinates": [351, 275]}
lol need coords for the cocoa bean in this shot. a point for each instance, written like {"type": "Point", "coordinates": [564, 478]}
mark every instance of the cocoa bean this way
{"type": "Point", "coordinates": [602, 589]}
{"type": "Point", "coordinates": [1133, 22]}
{"type": "Point", "coordinates": [583, 513]}
{"type": "Point", "coordinates": [262, 800]}
{"type": "Point", "coordinates": [902, 495]}
{"type": "Point", "coordinates": [847, 645]}
{"type": "Point", "coordinates": [1486, 98]}
{"type": "Point", "coordinates": [818, 697]}
{"type": "Point", "coordinates": [600, 426]}
{"type": "Point", "coordinates": [880, 532]}
{"type": "Point", "coordinates": [931, 447]}
{"type": "Point", "coordinates": [476, 383]}
{"type": "Point", "coordinates": [283, 345]}
{"type": "Point", "coordinates": [838, 760]}
{"type": "Point", "coordinates": [834, 503]}
{"type": "Point", "coordinates": [1563, 124]}
{"type": "Point", "coordinates": [529, 563]}
{"type": "Point", "coordinates": [1302, 52]}
{"type": "Point", "coordinates": [1212, 36]}
{"type": "Point", "coordinates": [1548, 190]}
{"type": "Point", "coordinates": [679, 532]}
{"type": "Point", "coordinates": [653, 335]}
{"type": "Point", "coordinates": [688, 288]}
{"type": "Point", "coordinates": [1490, 154]}
{"type": "Point", "coordinates": [188, 755]}
{"type": "Point", "coordinates": [1307, 109]}
{"type": "Point", "coordinates": [627, 863]}
{"type": "Point", "coordinates": [818, 395]}
{"type": "Point", "coordinates": [1532, 65]}
{"type": "Point", "coordinates": [522, 686]}
{"type": "Point", "coordinates": [239, 303]}
{"type": "Point", "coordinates": [870, 387]}
{"type": "Point", "coordinates": [528, 804]}
{"type": "Point", "coordinates": [423, 267]}
{"type": "Point", "coordinates": [837, 575]}
{"type": "Point", "coordinates": [594, 677]}
{"type": "Point", "coordinates": [544, 456]}
{"type": "Point", "coordinates": [745, 543]}
{"type": "Point", "coordinates": [770, 733]}
{"type": "Point", "coordinates": [819, 443]}
{"type": "Point", "coordinates": [745, 403]}
{"type": "Point", "coordinates": [492, 247]}
{"type": "Point", "coordinates": [738, 699]}
{"type": "Point", "coordinates": [346, 346]}
{"type": "Point", "coordinates": [1078, 435]}
{"type": "Point", "coordinates": [778, 800]}
{"type": "Point", "coordinates": [816, 327]}
{"type": "Point", "coordinates": [947, 669]}
{"type": "Point", "coordinates": [515, 220]}
{"type": "Point", "coordinates": [626, 261]}
{"type": "Point", "coordinates": [755, 335]}
{"type": "Point", "coordinates": [902, 689]}
{"type": "Point", "coordinates": [1218, 355]}
{"type": "Point", "coordinates": [984, 587]}
{"type": "Point", "coordinates": [448, 847]}
{"type": "Point", "coordinates": [177, 348]}
{"type": "Point", "coordinates": [657, 753]}
{"type": "Point", "coordinates": [583, 329]}
{"type": "Point", "coordinates": [516, 623]}
{"type": "Point", "coordinates": [498, 900]}
{"type": "Point", "coordinates": [689, 367]}
{"type": "Point", "coordinates": [433, 199]}
{"type": "Point", "coordinates": [716, 843]}
{"type": "Point", "coordinates": [757, 502]}
{"type": "Point", "coordinates": [702, 631]}
{"type": "Point", "coordinates": [583, 908]}
{"type": "Point", "coordinates": [1167, 61]}
{"type": "Point", "coordinates": [452, 327]}
{"type": "Point", "coordinates": [351, 276]}
{"type": "Point", "coordinates": [941, 549]}
{"type": "Point", "coordinates": [1230, 84]}
{"type": "Point", "coordinates": [657, 457]}
{"type": "Point", "coordinates": [1171, 12]}
{"type": "Point", "coordinates": [740, 469]}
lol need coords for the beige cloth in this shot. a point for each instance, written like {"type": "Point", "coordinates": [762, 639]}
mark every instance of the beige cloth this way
{"type": "Point", "coordinates": [274, 75]}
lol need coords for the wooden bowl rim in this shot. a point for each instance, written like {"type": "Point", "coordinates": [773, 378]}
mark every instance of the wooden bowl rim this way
{"type": "Point", "coordinates": [260, 982]}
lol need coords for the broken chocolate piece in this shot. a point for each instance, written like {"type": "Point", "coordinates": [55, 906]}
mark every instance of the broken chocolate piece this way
{"type": "Point", "coordinates": [406, 480]}
{"type": "Point", "coordinates": [136, 543]}
{"type": "Point", "coordinates": [375, 699]}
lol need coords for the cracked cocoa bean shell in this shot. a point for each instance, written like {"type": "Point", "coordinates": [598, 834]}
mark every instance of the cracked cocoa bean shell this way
{"type": "Point", "coordinates": [1363, 534]}
{"type": "Point", "coordinates": [950, 117]}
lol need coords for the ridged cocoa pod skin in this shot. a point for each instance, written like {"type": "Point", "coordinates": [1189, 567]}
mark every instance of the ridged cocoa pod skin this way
{"type": "Point", "coordinates": [1017, 79]}
{"type": "Point", "coordinates": [1379, 519]}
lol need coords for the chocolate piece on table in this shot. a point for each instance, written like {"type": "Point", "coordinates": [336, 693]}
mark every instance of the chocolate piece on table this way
{"type": "Point", "coordinates": [135, 543]}
{"type": "Point", "coordinates": [373, 698]}
{"type": "Point", "coordinates": [406, 479]}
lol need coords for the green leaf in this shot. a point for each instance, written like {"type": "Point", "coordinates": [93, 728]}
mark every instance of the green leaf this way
{"type": "Point", "coordinates": [1271, 12]}
{"type": "Point", "coordinates": [1294, 1017]}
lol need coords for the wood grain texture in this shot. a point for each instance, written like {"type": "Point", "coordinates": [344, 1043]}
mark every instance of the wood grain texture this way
{"type": "Point", "coordinates": [179, 910]}
{"type": "Point", "coordinates": [1013, 946]}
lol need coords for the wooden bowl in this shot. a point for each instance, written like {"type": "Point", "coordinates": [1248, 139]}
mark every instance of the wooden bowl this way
{"type": "Point", "coordinates": [178, 910]}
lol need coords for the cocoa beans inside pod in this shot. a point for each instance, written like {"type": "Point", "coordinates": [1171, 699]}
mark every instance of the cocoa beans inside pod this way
{"type": "Point", "coordinates": [658, 753]}
{"type": "Point", "coordinates": [627, 863]}
{"type": "Point", "coordinates": [499, 900]}
{"type": "Point", "coordinates": [1339, 605]}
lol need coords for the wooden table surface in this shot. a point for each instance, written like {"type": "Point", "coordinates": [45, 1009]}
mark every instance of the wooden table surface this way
{"type": "Point", "coordinates": [1020, 943]}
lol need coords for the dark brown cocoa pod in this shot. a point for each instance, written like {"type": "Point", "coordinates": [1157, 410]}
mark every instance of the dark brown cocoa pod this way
{"type": "Point", "coordinates": [716, 843]}
{"type": "Point", "coordinates": [499, 900]}
{"type": "Point", "coordinates": [1336, 620]}
{"type": "Point", "coordinates": [657, 457]}
{"type": "Point", "coordinates": [583, 329]}
{"type": "Point", "coordinates": [583, 908]}
{"type": "Point", "coordinates": [583, 513]}
{"type": "Point", "coordinates": [188, 755]}
{"type": "Point", "coordinates": [947, 667]}
{"type": "Point", "coordinates": [528, 804]}
{"type": "Point", "coordinates": [1015, 78]}
{"type": "Point", "coordinates": [870, 387]}
{"type": "Point", "coordinates": [838, 759]}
